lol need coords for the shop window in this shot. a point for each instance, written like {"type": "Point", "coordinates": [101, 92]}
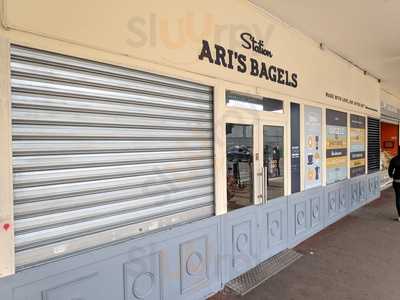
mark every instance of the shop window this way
{"type": "Point", "coordinates": [389, 142]}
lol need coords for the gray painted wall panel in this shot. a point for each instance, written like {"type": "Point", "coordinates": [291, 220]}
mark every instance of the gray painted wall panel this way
{"type": "Point", "coordinates": [354, 193]}
{"type": "Point", "coordinates": [344, 198]}
{"type": "Point", "coordinates": [239, 242]}
{"type": "Point", "coordinates": [373, 186]}
{"type": "Point", "coordinates": [191, 261]}
{"type": "Point", "coordinates": [179, 263]}
{"type": "Point", "coordinates": [305, 215]}
{"type": "Point", "coordinates": [363, 189]}
{"type": "Point", "coordinates": [359, 189]}
{"type": "Point", "coordinates": [336, 201]}
{"type": "Point", "coordinates": [273, 231]}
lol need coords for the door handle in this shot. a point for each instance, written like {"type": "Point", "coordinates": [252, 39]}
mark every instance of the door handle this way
{"type": "Point", "coordinates": [261, 176]}
{"type": "Point", "coordinates": [260, 196]}
{"type": "Point", "coordinates": [264, 186]}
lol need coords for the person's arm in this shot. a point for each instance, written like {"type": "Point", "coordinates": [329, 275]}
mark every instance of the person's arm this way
{"type": "Point", "coordinates": [391, 168]}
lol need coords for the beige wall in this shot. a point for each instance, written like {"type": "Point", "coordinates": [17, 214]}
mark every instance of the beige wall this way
{"type": "Point", "coordinates": [169, 33]}
{"type": "Point", "coordinates": [6, 195]}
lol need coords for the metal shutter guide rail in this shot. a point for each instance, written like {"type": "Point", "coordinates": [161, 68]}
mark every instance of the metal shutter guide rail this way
{"type": "Point", "coordinates": [103, 153]}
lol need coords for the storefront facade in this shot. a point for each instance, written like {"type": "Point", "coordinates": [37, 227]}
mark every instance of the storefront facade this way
{"type": "Point", "coordinates": [170, 147]}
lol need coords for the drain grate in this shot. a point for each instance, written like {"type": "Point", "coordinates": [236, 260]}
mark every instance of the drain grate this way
{"type": "Point", "coordinates": [265, 270]}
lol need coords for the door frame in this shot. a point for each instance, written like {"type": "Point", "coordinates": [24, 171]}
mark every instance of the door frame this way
{"type": "Point", "coordinates": [286, 152]}
{"type": "Point", "coordinates": [237, 115]}
{"type": "Point", "coordinates": [244, 121]}
{"type": "Point", "coordinates": [258, 127]}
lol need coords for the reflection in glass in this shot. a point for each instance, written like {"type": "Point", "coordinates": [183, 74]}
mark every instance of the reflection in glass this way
{"type": "Point", "coordinates": [254, 103]}
{"type": "Point", "coordinates": [273, 162]}
{"type": "Point", "coordinates": [239, 158]}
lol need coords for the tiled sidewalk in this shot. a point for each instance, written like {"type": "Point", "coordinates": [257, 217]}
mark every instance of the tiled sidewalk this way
{"type": "Point", "coordinates": [356, 258]}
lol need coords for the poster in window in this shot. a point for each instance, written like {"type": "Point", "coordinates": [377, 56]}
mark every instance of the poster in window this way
{"type": "Point", "coordinates": [357, 145]}
{"type": "Point", "coordinates": [336, 146]}
{"type": "Point", "coordinates": [312, 146]}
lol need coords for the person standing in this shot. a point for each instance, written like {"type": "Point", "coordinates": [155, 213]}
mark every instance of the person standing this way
{"type": "Point", "coordinates": [394, 172]}
{"type": "Point", "coordinates": [276, 156]}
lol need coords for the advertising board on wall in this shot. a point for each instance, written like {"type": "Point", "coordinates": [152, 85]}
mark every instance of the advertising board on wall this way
{"type": "Point", "coordinates": [312, 146]}
{"type": "Point", "coordinates": [336, 146]}
{"type": "Point", "coordinates": [357, 145]}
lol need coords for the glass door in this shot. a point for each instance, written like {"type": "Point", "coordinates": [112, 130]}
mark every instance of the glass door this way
{"type": "Point", "coordinates": [255, 163]}
{"type": "Point", "coordinates": [272, 172]}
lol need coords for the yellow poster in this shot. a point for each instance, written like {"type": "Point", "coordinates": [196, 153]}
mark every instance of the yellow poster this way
{"type": "Point", "coordinates": [357, 145]}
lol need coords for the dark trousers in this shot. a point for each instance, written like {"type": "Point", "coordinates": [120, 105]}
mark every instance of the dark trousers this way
{"type": "Point", "coordinates": [396, 186]}
{"type": "Point", "coordinates": [278, 169]}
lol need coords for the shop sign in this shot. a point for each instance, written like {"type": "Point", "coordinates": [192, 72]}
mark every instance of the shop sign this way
{"type": "Point", "coordinates": [234, 60]}
{"type": "Point", "coordinates": [390, 110]}
{"type": "Point", "coordinates": [345, 100]}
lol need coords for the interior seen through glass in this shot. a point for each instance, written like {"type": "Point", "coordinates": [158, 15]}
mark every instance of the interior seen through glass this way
{"type": "Point", "coordinates": [273, 164]}
{"type": "Point", "coordinates": [239, 158]}
{"type": "Point", "coordinates": [240, 164]}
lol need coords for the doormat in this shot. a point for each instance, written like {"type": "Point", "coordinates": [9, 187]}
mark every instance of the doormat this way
{"type": "Point", "coordinates": [262, 272]}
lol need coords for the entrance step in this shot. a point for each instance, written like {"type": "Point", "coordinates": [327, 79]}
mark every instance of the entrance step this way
{"type": "Point", "coordinates": [262, 272]}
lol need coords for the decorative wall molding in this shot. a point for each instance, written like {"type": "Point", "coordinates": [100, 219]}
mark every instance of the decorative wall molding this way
{"type": "Point", "coordinates": [195, 260]}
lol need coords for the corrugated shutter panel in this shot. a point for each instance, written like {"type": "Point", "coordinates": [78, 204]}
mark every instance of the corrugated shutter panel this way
{"type": "Point", "coordinates": [373, 145]}
{"type": "Point", "coordinates": [103, 153]}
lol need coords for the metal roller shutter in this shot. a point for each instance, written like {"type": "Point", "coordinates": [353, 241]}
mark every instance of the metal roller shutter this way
{"type": "Point", "coordinates": [103, 153]}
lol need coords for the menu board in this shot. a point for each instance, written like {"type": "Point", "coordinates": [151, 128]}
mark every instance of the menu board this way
{"type": "Point", "coordinates": [357, 145]}
{"type": "Point", "coordinates": [312, 146]}
{"type": "Point", "coordinates": [336, 146]}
